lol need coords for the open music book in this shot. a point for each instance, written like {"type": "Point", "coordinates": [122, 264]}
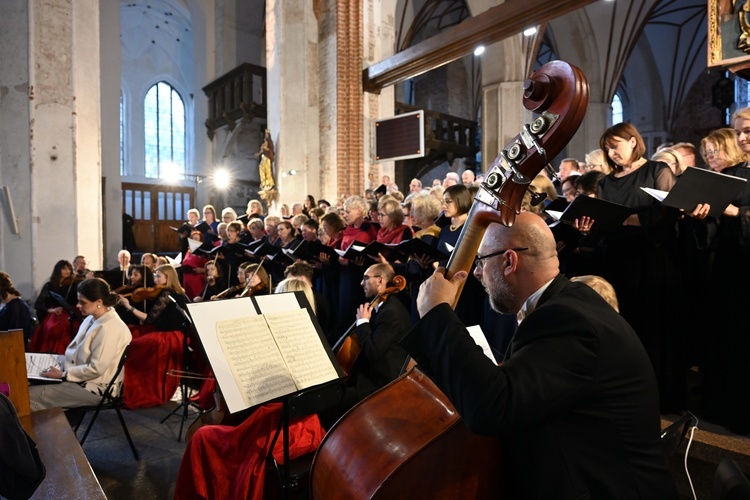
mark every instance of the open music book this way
{"type": "Point", "coordinates": [37, 362]}
{"type": "Point", "coordinates": [262, 348]}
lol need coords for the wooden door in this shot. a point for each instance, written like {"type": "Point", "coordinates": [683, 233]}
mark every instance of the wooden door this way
{"type": "Point", "coordinates": [156, 209]}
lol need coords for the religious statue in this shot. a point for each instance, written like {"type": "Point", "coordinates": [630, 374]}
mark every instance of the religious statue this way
{"type": "Point", "coordinates": [743, 12]}
{"type": "Point", "coordinates": [268, 191]}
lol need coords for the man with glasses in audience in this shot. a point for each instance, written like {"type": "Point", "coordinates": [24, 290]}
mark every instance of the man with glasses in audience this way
{"type": "Point", "coordinates": [575, 399]}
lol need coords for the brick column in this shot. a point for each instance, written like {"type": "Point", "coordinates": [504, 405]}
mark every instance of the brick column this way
{"type": "Point", "coordinates": [349, 96]}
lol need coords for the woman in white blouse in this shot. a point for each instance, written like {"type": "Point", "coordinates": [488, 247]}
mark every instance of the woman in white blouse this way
{"type": "Point", "coordinates": [91, 358]}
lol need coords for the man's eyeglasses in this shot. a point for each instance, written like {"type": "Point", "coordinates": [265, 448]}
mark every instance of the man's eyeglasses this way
{"type": "Point", "coordinates": [479, 259]}
{"type": "Point", "coordinates": [365, 277]}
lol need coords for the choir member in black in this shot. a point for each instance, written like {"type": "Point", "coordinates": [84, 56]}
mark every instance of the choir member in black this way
{"type": "Point", "coordinates": [271, 222]}
{"type": "Point", "coordinates": [639, 259]}
{"type": "Point", "coordinates": [164, 315]}
{"type": "Point", "coordinates": [350, 291]}
{"type": "Point", "coordinates": [456, 205]}
{"type": "Point", "coordinates": [232, 254]}
{"type": "Point", "coordinates": [727, 388]}
{"type": "Point", "coordinates": [15, 313]}
{"type": "Point", "coordinates": [333, 228]}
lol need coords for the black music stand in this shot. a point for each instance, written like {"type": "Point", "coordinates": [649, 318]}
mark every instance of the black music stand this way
{"type": "Point", "coordinates": [183, 409]}
{"type": "Point", "coordinates": [299, 404]}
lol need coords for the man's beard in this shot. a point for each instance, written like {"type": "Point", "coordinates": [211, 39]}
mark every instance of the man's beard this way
{"type": "Point", "coordinates": [502, 300]}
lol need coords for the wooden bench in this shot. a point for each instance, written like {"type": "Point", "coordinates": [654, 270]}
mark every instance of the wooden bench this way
{"type": "Point", "coordinates": [69, 473]}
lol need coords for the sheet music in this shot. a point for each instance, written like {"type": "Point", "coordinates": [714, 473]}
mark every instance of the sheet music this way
{"type": "Point", "coordinates": [37, 362]}
{"type": "Point", "coordinates": [301, 349]}
{"type": "Point", "coordinates": [254, 358]}
{"type": "Point", "coordinates": [479, 337]}
{"type": "Point", "coordinates": [656, 193]}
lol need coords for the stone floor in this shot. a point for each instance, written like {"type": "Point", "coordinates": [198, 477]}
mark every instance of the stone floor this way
{"type": "Point", "coordinates": [122, 477]}
{"type": "Point", "coordinates": [154, 476]}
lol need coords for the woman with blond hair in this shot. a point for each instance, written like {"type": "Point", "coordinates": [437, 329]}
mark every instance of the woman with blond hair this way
{"type": "Point", "coordinates": [297, 285]}
{"type": "Point", "coordinates": [597, 160]}
{"type": "Point", "coordinates": [727, 370]}
{"type": "Point", "coordinates": [164, 315]}
{"type": "Point", "coordinates": [720, 150]}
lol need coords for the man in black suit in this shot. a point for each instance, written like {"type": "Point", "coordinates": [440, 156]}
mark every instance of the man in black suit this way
{"type": "Point", "coordinates": [575, 400]}
{"type": "Point", "coordinates": [378, 330]}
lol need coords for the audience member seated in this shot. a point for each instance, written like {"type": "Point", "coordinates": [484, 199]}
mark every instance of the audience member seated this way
{"type": "Point", "coordinates": [15, 313]}
{"type": "Point", "coordinates": [92, 357]}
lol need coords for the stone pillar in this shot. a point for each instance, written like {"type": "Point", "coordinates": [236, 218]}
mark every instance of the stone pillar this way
{"type": "Point", "coordinates": [503, 118]}
{"type": "Point", "coordinates": [56, 64]}
{"type": "Point", "coordinates": [293, 112]}
{"type": "Point", "coordinates": [591, 129]}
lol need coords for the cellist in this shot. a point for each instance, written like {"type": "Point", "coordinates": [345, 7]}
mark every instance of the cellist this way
{"type": "Point", "coordinates": [575, 399]}
{"type": "Point", "coordinates": [378, 328]}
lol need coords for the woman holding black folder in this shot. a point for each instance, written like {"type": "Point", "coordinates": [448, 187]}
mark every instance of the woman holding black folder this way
{"type": "Point", "coordinates": [726, 397]}
{"type": "Point", "coordinates": [639, 258]}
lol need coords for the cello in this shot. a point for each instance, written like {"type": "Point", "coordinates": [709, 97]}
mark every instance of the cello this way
{"type": "Point", "coordinates": [407, 440]}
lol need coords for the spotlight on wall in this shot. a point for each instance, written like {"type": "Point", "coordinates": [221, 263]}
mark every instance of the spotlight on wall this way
{"type": "Point", "coordinates": [529, 31]}
{"type": "Point", "coordinates": [479, 51]}
{"type": "Point", "coordinates": [221, 179]}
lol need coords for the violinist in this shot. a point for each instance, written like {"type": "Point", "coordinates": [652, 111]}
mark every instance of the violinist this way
{"type": "Point", "coordinates": [61, 282]}
{"type": "Point", "coordinates": [234, 290]}
{"type": "Point", "coordinates": [378, 328]}
{"type": "Point", "coordinates": [257, 281]}
{"type": "Point", "coordinates": [139, 276]}
{"type": "Point", "coordinates": [215, 282]}
{"type": "Point", "coordinates": [164, 315]}
{"type": "Point", "coordinates": [79, 267]}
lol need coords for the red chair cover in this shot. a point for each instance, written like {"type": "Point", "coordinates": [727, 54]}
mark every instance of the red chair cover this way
{"type": "Point", "coordinates": [230, 462]}
{"type": "Point", "coordinates": [54, 333]}
{"type": "Point", "coordinates": [150, 357]}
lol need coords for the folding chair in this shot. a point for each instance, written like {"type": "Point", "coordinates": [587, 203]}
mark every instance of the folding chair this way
{"type": "Point", "coordinates": [305, 402]}
{"type": "Point", "coordinates": [109, 401]}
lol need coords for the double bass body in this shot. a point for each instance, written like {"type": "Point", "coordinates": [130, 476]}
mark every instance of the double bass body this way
{"type": "Point", "coordinates": [417, 447]}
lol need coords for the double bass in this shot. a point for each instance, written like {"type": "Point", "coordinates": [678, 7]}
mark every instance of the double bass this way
{"type": "Point", "coordinates": [407, 440]}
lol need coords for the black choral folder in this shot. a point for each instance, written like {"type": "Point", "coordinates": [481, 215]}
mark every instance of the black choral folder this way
{"type": "Point", "coordinates": [696, 185]}
{"type": "Point", "coordinates": [607, 215]}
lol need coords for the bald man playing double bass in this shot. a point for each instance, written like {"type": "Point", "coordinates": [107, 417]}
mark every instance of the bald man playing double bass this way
{"type": "Point", "coordinates": [575, 400]}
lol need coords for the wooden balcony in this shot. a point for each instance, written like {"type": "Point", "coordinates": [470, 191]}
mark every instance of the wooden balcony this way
{"type": "Point", "coordinates": [241, 93]}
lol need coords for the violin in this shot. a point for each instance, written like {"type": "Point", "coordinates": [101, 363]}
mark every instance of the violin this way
{"type": "Point", "coordinates": [249, 291]}
{"type": "Point", "coordinates": [410, 425]}
{"type": "Point", "coordinates": [228, 291]}
{"type": "Point", "coordinates": [348, 348]}
{"type": "Point", "coordinates": [144, 293]}
{"type": "Point", "coordinates": [125, 289]}
{"type": "Point", "coordinates": [73, 278]}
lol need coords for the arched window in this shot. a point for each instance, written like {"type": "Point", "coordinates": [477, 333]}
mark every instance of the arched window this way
{"type": "Point", "coordinates": [164, 125]}
{"type": "Point", "coordinates": [617, 114]}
